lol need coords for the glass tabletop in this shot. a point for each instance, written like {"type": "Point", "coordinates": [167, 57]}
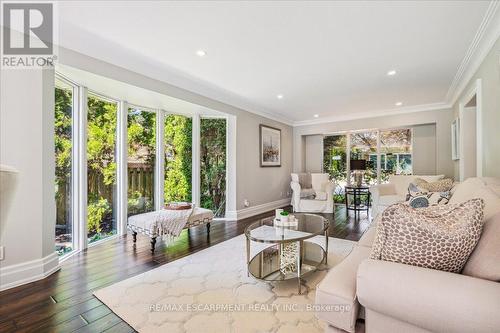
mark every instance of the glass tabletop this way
{"type": "Point", "coordinates": [307, 226]}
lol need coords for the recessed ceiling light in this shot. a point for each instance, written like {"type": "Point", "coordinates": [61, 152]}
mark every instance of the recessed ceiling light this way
{"type": "Point", "coordinates": [201, 53]}
{"type": "Point", "coordinates": [391, 72]}
{"type": "Point", "coordinates": [316, 116]}
{"type": "Point", "coordinates": [399, 103]}
{"type": "Point", "coordinates": [280, 96]}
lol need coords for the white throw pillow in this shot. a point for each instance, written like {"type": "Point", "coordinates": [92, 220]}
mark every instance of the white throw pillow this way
{"type": "Point", "coordinates": [321, 195]}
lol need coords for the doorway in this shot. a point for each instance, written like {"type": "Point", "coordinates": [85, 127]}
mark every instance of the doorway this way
{"type": "Point", "coordinates": [470, 164]}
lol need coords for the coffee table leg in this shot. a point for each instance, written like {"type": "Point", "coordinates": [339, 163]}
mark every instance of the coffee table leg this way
{"type": "Point", "coordinates": [248, 256]}
{"type": "Point", "coordinates": [299, 263]}
{"type": "Point", "coordinates": [326, 246]}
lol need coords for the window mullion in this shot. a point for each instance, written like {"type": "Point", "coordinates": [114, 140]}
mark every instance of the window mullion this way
{"type": "Point", "coordinates": [195, 176]}
{"type": "Point", "coordinates": [121, 160]}
{"type": "Point", "coordinates": [81, 174]}
{"type": "Point", "coordinates": [379, 162]}
{"type": "Point", "coordinates": [160, 159]}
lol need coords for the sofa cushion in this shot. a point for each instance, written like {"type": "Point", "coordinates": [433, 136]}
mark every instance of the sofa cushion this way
{"type": "Point", "coordinates": [475, 188]}
{"type": "Point", "coordinates": [401, 182]}
{"type": "Point", "coordinates": [438, 237]}
{"type": "Point", "coordinates": [387, 200]}
{"type": "Point", "coordinates": [307, 193]}
{"type": "Point", "coordinates": [464, 190]}
{"type": "Point", "coordinates": [339, 288]}
{"type": "Point", "coordinates": [484, 262]}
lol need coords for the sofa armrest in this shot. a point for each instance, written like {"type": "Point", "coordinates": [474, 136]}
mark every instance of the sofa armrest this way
{"type": "Point", "coordinates": [434, 300]}
{"type": "Point", "coordinates": [295, 192]}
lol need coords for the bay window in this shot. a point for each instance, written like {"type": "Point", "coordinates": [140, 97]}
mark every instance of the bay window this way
{"type": "Point", "coordinates": [115, 159]}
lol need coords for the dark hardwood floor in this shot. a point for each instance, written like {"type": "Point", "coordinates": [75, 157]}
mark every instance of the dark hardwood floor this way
{"type": "Point", "coordinates": [63, 302]}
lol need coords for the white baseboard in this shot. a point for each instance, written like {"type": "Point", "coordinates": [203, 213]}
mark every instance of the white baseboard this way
{"type": "Point", "coordinates": [255, 210]}
{"type": "Point", "coordinates": [26, 272]}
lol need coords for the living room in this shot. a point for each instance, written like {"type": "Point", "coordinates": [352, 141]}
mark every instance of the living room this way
{"type": "Point", "coordinates": [269, 166]}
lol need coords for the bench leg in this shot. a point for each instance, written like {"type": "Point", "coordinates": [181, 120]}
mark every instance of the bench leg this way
{"type": "Point", "coordinates": [208, 228]}
{"type": "Point", "coordinates": [134, 235]}
{"type": "Point", "coordinates": [153, 243]}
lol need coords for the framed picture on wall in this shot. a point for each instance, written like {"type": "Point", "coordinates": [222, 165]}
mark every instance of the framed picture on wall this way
{"type": "Point", "coordinates": [270, 146]}
{"type": "Point", "coordinates": [455, 139]}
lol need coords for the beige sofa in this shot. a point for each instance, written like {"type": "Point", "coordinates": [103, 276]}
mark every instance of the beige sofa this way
{"type": "Point", "coordinates": [394, 297]}
{"type": "Point", "coordinates": [394, 191]}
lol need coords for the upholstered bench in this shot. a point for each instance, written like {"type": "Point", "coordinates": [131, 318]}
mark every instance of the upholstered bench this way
{"type": "Point", "coordinates": [147, 223]}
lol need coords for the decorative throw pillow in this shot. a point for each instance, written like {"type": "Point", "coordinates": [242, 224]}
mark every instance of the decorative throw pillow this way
{"type": "Point", "coordinates": [439, 237]}
{"type": "Point", "coordinates": [443, 185]}
{"type": "Point", "coordinates": [420, 198]}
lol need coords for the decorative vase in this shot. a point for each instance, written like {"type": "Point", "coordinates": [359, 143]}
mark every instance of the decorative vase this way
{"type": "Point", "coordinates": [284, 218]}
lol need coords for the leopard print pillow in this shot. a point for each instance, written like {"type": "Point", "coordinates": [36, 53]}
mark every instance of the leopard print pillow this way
{"type": "Point", "coordinates": [443, 185]}
{"type": "Point", "coordinates": [438, 237]}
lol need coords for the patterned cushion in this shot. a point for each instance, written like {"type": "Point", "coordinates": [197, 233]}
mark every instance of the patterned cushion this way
{"type": "Point", "coordinates": [418, 197]}
{"type": "Point", "coordinates": [443, 185]}
{"type": "Point", "coordinates": [439, 237]}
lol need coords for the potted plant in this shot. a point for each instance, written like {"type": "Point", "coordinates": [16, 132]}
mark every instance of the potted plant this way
{"type": "Point", "coordinates": [284, 217]}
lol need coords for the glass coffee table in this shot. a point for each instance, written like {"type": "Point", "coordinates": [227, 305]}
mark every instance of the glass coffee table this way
{"type": "Point", "coordinates": [291, 254]}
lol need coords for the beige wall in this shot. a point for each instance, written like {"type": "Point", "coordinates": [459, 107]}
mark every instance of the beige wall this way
{"type": "Point", "coordinates": [489, 74]}
{"type": "Point", "coordinates": [435, 159]}
{"type": "Point", "coordinates": [314, 153]}
{"type": "Point", "coordinates": [424, 149]}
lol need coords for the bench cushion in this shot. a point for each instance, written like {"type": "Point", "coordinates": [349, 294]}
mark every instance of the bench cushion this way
{"type": "Point", "coordinates": [144, 223]}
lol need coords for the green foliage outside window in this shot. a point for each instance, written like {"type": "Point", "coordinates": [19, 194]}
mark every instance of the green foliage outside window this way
{"type": "Point", "coordinates": [63, 151]}
{"type": "Point", "coordinates": [213, 165]}
{"type": "Point", "coordinates": [178, 158]}
{"type": "Point", "coordinates": [101, 167]}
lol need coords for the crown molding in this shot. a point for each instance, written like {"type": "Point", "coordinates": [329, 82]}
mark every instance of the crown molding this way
{"type": "Point", "coordinates": [486, 36]}
{"type": "Point", "coordinates": [375, 114]}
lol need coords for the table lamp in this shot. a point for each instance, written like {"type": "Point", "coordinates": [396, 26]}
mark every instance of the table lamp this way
{"type": "Point", "coordinates": [358, 168]}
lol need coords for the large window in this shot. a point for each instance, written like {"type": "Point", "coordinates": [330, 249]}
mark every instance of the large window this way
{"type": "Point", "coordinates": [364, 147]}
{"type": "Point", "coordinates": [335, 163]}
{"type": "Point", "coordinates": [63, 117]}
{"type": "Point", "coordinates": [394, 146]}
{"type": "Point", "coordinates": [395, 153]}
{"type": "Point", "coordinates": [178, 158]}
{"type": "Point", "coordinates": [101, 168]}
{"type": "Point", "coordinates": [213, 165]}
{"type": "Point", "coordinates": [141, 134]}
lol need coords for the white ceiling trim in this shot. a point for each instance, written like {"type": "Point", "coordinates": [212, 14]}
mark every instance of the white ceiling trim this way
{"type": "Point", "coordinates": [374, 114]}
{"type": "Point", "coordinates": [486, 36]}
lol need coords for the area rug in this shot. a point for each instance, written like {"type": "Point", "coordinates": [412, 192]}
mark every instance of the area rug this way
{"type": "Point", "coordinates": [209, 291]}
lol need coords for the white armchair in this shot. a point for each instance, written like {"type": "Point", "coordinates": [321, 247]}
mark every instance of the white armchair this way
{"type": "Point", "coordinates": [312, 193]}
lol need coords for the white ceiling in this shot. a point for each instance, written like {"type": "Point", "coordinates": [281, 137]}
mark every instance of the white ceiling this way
{"type": "Point", "coordinates": [326, 58]}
